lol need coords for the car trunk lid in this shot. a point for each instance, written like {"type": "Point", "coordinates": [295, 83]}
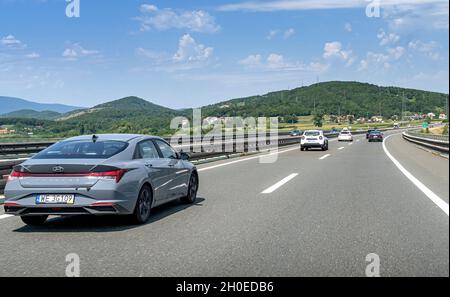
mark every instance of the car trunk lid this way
{"type": "Point", "coordinates": [60, 173]}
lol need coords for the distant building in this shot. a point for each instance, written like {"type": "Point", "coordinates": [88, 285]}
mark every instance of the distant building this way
{"type": "Point", "coordinates": [442, 116]}
{"type": "Point", "coordinates": [431, 115]}
{"type": "Point", "coordinates": [361, 120]}
{"type": "Point", "coordinates": [7, 131]}
{"type": "Point", "coordinates": [376, 119]}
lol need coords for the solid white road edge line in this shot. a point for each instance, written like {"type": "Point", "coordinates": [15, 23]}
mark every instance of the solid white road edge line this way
{"type": "Point", "coordinates": [279, 184]}
{"type": "Point", "coordinates": [430, 194]}
{"type": "Point", "coordinates": [324, 157]}
{"type": "Point", "coordinates": [341, 148]}
{"type": "Point", "coordinates": [5, 216]}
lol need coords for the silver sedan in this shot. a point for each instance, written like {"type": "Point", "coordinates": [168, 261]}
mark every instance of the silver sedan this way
{"type": "Point", "coordinates": [122, 174]}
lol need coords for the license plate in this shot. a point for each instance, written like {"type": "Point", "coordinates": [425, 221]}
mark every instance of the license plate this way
{"type": "Point", "coordinates": [55, 199]}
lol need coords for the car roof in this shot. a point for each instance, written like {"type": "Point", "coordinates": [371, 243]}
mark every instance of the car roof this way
{"type": "Point", "coordinates": [117, 137]}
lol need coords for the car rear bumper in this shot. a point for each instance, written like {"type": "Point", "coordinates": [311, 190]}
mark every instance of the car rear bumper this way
{"type": "Point", "coordinates": [376, 139]}
{"type": "Point", "coordinates": [313, 145]}
{"type": "Point", "coordinates": [99, 208]}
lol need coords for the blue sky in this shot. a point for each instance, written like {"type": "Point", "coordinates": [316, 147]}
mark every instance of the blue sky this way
{"type": "Point", "coordinates": [191, 53]}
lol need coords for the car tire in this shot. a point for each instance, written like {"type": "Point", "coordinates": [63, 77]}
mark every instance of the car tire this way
{"type": "Point", "coordinates": [192, 190]}
{"type": "Point", "coordinates": [34, 220]}
{"type": "Point", "coordinates": [302, 149]}
{"type": "Point", "coordinates": [143, 206]}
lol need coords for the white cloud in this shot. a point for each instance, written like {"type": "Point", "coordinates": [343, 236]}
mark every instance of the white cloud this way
{"type": "Point", "coordinates": [387, 38]}
{"type": "Point", "coordinates": [150, 54]}
{"type": "Point", "coordinates": [148, 8]}
{"type": "Point", "coordinates": [288, 33]}
{"type": "Point", "coordinates": [189, 55]}
{"type": "Point", "coordinates": [400, 14]}
{"type": "Point", "coordinates": [375, 60]}
{"type": "Point", "coordinates": [411, 16]}
{"type": "Point", "coordinates": [429, 49]}
{"type": "Point", "coordinates": [12, 42]}
{"type": "Point", "coordinates": [277, 63]}
{"type": "Point", "coordinates": [296, 5]}
{"type": "Point", "coordinates": [75, 51]}
{"type": "Point", "coordinates": [190, 51]}
{"type": "Point", "coordinates": [348, 27]}
{"type": "Point", "coordinates": [333, 50]}
{"type": "Point", "coordinates": [251, 61]}
{"type": "Point", "coordinates": [32, 55]}
{"type": "Point", "coordinates": [396, 52]}
{"type": "Point", "coordinates": [164, 19]}
{"type": "Point", "coordinates": [272, 34]}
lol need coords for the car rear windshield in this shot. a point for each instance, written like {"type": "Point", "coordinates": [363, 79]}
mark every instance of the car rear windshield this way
{"type": "Point", "coordinates": [375, 132]}
{"type": "Point", "coordinates": [82, 149]}
{"type": "Point", "coordinates": [313, 133]}
{"type": "Point", "coordinates": [345, 132]}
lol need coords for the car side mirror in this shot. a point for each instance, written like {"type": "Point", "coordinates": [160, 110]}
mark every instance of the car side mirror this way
{"type": "Point", "coordinates": [184, 156]}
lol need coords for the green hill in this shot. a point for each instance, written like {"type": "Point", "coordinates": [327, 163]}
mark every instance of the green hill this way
{"type": "Point", "coordinates": [32, 114]}
{"type": "Point", "coordinates": [359, 99]}
{"type": "Point", "coordinates": [126, 115]}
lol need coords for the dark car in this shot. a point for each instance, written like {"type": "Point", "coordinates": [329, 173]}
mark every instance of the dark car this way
{"type": "Point", "coordinates": [368, 132]}
{"type": "Point", "coordinates": [375, 136]}
{"type": "Point", "coordinates": [296, 133]}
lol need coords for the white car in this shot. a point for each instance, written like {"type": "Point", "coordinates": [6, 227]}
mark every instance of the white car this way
{"type": "Point", "coordinates": [345, 135]}
{"type": "Point", "coordinates": [313, 139]}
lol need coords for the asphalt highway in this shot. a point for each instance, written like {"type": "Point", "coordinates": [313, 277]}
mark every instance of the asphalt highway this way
{"type": "Point", "coordinates": [308, 213]}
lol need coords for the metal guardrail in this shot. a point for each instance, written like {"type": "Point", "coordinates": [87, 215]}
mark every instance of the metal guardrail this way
{"type": "Point", "coordinates": [428, 136]}
{"type": "Point", "coordinates": [434, 142]}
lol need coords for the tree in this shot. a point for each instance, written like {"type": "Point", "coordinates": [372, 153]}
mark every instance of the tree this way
{"type": "Point", "coordinates": [291, 119]}
{"type": "Point", "coordinates": [318, 119]}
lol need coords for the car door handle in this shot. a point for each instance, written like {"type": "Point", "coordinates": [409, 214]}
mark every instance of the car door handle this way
{"type": "Point", "coordinates": [171, 165]}
{"type": "Point", "coordinates": [149, 165]}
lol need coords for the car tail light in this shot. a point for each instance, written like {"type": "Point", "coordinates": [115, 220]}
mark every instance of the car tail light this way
{"type": "Point", "coordinates": [16, 175]}
{"type": "Point", "coordinates": [113, 174]}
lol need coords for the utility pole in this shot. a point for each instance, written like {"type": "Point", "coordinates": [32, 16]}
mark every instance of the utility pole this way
{"type": "Point", "coordinates": [403, 106]}
{"type": "Point", "coordinates": [446, 106]}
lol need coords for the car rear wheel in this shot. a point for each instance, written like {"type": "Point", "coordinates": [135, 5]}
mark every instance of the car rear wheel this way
{"type": "Point", "coordinates": [302, 149]}
{"type": "Point", "coordinates": [192, 190]}
{"type": "Point", "coordinates": [34, 220]}
{"type": "Point", "coordinates": [143, 206]}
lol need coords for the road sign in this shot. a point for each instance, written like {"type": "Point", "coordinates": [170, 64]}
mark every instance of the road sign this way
{"type": "Point", "coordinates": [425, 125]}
